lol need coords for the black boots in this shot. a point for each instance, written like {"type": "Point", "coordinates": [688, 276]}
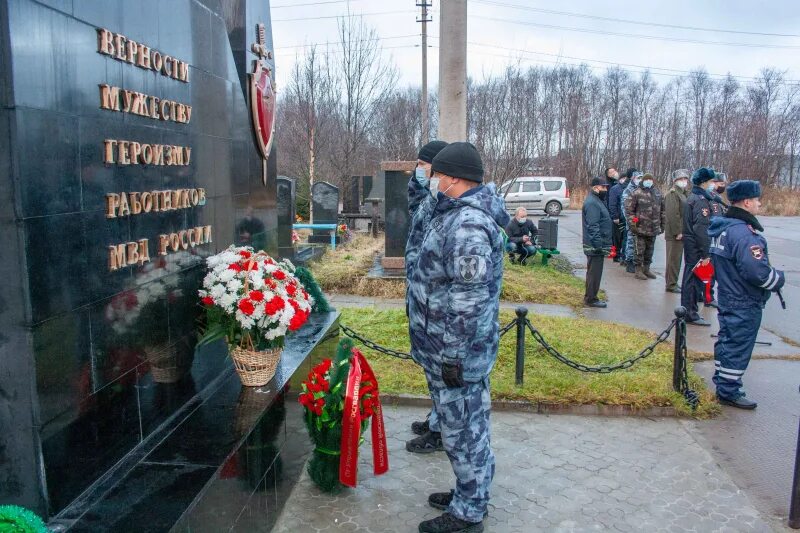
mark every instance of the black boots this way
{"type": "Point", "coordinates": [448, 523]}
{"type": "Point", "coordinates": [428, 443]}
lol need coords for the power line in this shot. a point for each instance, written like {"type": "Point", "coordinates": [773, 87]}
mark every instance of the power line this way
{"type": "Point", "coordinates": [638, 35]}
{"type": "Point", "coordinates": [614, 63]}
{"type": "Point", "coordinates": [344, 15]}
{"type": "Point", "coordinates": [314, 3]}
{"type": "Point", "coordinates": [630, 21]}
{"type": "Point", "coordinates": [358, 41]}
{"type": "Point", "coordinates": [359, 49]}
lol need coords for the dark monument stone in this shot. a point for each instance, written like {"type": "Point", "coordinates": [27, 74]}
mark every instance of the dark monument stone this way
{"type": "Point", "coordinates": [286, 195]}
{"type": "Point", "coordinates": [99, 367]}
{"type": "Point", "coordinates": [366, 188]}
{"type": "Point", "coordinates": [352, 196]}
{"type": "Point", "coordinates": [325, 199]}
{"type": "Point", "coordinates": [395, 178]}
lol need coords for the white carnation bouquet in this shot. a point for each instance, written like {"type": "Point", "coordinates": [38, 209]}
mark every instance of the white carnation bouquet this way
{"type": "Point", "coordinates": [252, 300]}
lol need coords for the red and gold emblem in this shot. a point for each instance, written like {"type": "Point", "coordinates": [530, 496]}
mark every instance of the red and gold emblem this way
{"type": "Point", "coordinates": [758, 252]}
{"type": "Point", "coordinates": [705, 212]}
{"type": "Point", "coordinates": [262, 96]}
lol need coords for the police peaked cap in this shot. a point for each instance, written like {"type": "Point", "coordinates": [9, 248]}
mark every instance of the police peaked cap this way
{"type": "Point", "coordinates": [702, 175]}
{"type": "Point", "coordinates": [459, 160]}
{"type": "Point", "coordinates": [429, 151]}
{"type": "Point", "coordinates": [743, 189]}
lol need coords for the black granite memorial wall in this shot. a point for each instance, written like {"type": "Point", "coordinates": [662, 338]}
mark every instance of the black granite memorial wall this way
{"type": "Point", "coordinates": [94, 359]}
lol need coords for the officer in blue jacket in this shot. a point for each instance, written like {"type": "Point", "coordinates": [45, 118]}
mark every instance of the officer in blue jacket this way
{"type": "Point", "coordinates": [745, 281]}
{"type": "Point", "coordinates": [453, 306]}
{"type": "Point", "coordinates": [420, 209]}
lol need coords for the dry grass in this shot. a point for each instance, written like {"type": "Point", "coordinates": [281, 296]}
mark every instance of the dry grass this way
{"type": "Point", "coordinates": [648, 383]}
{"type": "Point", "coordinates": [780, 201]}
{"type": "Point", "coordinates": [344, 271]}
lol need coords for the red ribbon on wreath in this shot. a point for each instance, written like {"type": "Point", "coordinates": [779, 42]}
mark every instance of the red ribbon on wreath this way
{"type": "Point", "coordinates": [351, 423]}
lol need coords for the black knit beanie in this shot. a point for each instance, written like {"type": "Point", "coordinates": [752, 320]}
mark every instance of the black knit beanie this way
{"type": "Point", "coordinates": [629, 172]}
{"type": "Point", "coordinates": [429, 151]}
{"type": "Point", "coordinates": [459, 160]}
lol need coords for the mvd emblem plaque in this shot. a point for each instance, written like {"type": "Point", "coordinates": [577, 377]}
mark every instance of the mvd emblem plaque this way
{"type": "Point", "coordinates": [262, 97]}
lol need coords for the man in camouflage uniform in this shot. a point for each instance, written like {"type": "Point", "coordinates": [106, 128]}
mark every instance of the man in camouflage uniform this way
{"type": "Point", "coordinates": [421, 204]}
{"type": "Point", "coordinates": [628, 247]}
{"type": "Point", "coordinates": [644, 210]}
{"type": "Point", "coordinates": [453, 305]}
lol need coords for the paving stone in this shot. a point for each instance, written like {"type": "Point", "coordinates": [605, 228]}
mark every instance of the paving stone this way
{"type": "Point", "coordinates": [558, 473]}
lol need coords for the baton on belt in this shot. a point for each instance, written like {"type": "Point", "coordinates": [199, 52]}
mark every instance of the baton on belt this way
{"type": "Point", "coordinates": [780, 297]}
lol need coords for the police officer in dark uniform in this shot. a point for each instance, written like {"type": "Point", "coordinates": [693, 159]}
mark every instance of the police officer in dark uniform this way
{"type": "Point", "coordinates": [746, 281]}
{"type": "Point", "coordinates": [696, 219]}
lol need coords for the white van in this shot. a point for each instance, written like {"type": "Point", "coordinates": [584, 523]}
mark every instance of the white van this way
{"type": "Point", "coordinates": [536, 193]}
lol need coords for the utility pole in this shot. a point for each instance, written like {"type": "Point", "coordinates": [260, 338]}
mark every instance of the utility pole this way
{"type": "Point", "coordinates": [453, 70]}
{"type": "Point", "coordinates": [424, 5]}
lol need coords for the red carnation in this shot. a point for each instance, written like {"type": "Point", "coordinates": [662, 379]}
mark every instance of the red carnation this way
{"type": "Point", "coordinates": [298, 320]}
{"type": "Point", "coordinates": [246, 306]}
{"type": "Point", "coordinates": [291, 289]}
{"type": "Point", "coordinates": [323, 367]}
{"type": "Point", "coordinates": [305, 294]}
{"type": "Point", "coordinates": [245, 254]}
{"type": "Point", "coordinates": [236, 267]}
{"type": "Point", "coordinates": [256, 296]}
{"type": "Point", "coordinates": [274, 305]}
{"type": "Point", "coordinates": [635, 220]}
{"type": "Point", "coordinates": [279, 275]}
{"type": "Point", "coordinates": [207, 300]}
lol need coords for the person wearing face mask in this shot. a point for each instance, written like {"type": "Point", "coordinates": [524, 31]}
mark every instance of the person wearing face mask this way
{"type": "Point", "coordinates": [453, 313]}
{"type": "Point", "coordinates": [674, 205]}
{"type": "Point", "coordinates": [628, 245]}
{"type": "Point", "coordinates": [521, 236]}
{"type": "Point", "coordinates": [615, 211]}
{"type": "Point", "coordinates": [746, 281]}
{"type": "Point", "coordinates": [420, 209]}
{"type": "Point", "coordinates": [597, 230]}
{"type": "Point", "coordinates": [696, 219]}
{"type": "Point", "coordinates": [644, 209]}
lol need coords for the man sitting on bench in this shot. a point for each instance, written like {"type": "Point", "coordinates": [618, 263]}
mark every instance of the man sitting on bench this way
{"type": "Point", "coordinates": [521, 237]}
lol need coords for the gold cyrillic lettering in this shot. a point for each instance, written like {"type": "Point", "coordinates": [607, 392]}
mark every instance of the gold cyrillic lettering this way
{"type": "Point", "coordinates": [112, 202]}
{"type": "Point", "coordinates": [131, 51]}
{"type": "Point", "coordinates": [136, 204]}
{"type": "Point", "coordinates": [157, 60]}
{"type": "Point", "coordinates": [154, 107]}
{"type": "Point", "coordinates": [174, 242]}
{"type": "Point", "coordinates": [202, 193]}
{"type": "Point", "coordinates": [166, 200]}
{"type": "Point", "coordinates": [119, 44]}
{"type": "Point", "coordinates": [109, 97]}
{"type": "Point", "coordinates": [123, 157]}
{"type": "Point", "coordinates": [105, 41]}
{"type": "Point", "coordinates": [147, 154]}
{"type": "Point", "coordinates": [136, 151]}
{"type": "Point", "coordinates": [206, 234]}
{"type": "Point", "coordinates": [108, 156]}
{"type": "Point", "coordinates": [177, 155]}
{"type": "Point", "coordinates": [124, 207]}
{"type": "Point", "coordinates": [158, 154]}
{"type": "Point", "coordinates": [144, 56]}
{"type": "Point", "coordinates": [133, 253]}
{"type": "Point", "coordinates": [194, 197]}
{"type": "Point", "coordinates": [147, 202]}
{"type": "Point", "coordinates": [182, 235]}
{"type": "Point", "coordinates": [164, 69]}
{"type": "Point", "coordinates": [163, 242]}
{"type": "Point", "coordinates": [187, 154]}
{"type": "Point", "coordinates": [116, 257]}
{"type": "Point", "coordinates": [144, 251]}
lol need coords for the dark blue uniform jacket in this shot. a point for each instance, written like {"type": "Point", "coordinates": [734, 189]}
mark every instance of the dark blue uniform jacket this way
{"type": "Point", "coordinates": [741, 263]}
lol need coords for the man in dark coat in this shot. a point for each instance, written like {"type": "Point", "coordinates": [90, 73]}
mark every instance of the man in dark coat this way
{"type": "Point", "coordinates": [521, 236]}
{"type": "Point", "coordinates": [597, 229]}
{"type": "Point", "coordinates": [615, 211]}
{"type": "Point", "coordinates": [696, 219]}
{"type": "Point", "coordinates": [746, 281]}
{"type": "Point", "coordinates": [644, 212]}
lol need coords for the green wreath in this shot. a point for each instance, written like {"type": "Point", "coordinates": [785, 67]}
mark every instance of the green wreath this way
{"type": "Point", "coordinates": [14, 519]}
{"type": "Point", "coordinates": [305, 276]}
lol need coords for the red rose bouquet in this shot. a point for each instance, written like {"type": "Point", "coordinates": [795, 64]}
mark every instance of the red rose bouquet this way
{"type": "Point", "coordinates": [339, 397]}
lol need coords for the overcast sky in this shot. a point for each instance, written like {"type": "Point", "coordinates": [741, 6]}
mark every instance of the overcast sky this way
{"type": "Point", "coordinates": [500, 34]}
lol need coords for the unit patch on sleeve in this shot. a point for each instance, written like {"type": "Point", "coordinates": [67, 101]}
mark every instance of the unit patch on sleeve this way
{"type": "Point", "coordinates": [757, 251]}
{"type": "Point", "coordinates": [471, 268]}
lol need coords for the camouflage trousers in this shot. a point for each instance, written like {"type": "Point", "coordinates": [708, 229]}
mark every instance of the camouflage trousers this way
{"type": "Point", "coordinates": [463, 416]}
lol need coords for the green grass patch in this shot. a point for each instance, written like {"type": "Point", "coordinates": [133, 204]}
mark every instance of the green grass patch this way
{"type": "Point", "coordinates": [647, 384]}
{"type": "Point", "coordinates": [344, 271]}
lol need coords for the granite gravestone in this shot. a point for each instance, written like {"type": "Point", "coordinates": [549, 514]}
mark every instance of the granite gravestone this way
{"type": "Point", "coordinates": [326, 210]}
{"type": "Point", "coordinates": [395, 178]}
{"type": "Point", "coordinates": [127, 156]}
{"type": "Point", "coordinates": [286, 195]}
{"type": "Point", "coordinates": [366, 188]}
{"type": "Point", "coordinates": [352, 197]}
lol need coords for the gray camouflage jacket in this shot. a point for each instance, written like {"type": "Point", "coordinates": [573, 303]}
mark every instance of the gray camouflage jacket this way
{"type": "Point", "coordinates": [454, 263]}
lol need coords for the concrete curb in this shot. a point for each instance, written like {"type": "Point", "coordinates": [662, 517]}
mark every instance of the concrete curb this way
{"type": "Point", "coordinates": [545, 408]}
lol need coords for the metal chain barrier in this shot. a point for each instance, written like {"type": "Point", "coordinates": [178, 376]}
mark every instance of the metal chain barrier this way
{"type": "Point", "coordinates": [690, 395]}
{"type": "Point", "coordinates": [602, 369]}
{"type": "Point", "coordinates": [394, 353]}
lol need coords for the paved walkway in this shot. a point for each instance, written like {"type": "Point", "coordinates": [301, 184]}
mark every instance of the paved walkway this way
{"type": "Point", "coordinates": [646, 305]}
{"type": "Point", "coordinates": [554, 473]}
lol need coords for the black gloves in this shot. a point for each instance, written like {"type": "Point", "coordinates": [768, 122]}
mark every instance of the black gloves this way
{"type": "Point", "coordinates": [452, 375]}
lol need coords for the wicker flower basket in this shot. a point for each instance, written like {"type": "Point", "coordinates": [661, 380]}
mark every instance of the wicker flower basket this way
{"type": "Point", "coordinates": [255, 368]}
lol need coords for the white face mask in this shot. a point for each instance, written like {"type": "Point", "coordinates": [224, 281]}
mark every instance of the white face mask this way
{"type": "Point", "coordinates": [681, 183]}
{"type": "Point", "coordinates": [420, 173]}
{"type": "Point", "coordinates": [522, 220]}
{"type": "Point", "coordinates": [647, 184]}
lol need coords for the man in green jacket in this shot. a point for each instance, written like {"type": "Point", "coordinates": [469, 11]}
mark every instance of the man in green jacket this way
{"type": "Point", "coordinates": [674, 205]}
